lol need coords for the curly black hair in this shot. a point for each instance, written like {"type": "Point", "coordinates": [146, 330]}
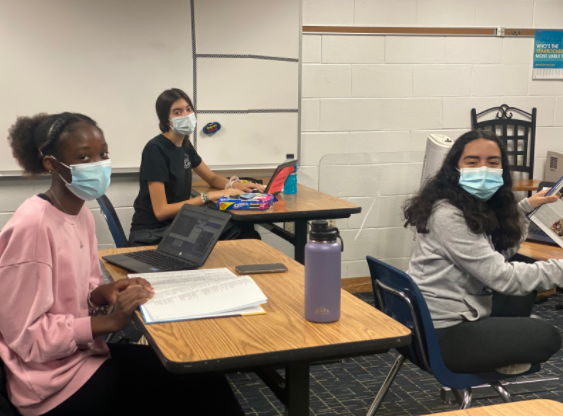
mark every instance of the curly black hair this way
{"type": "Point", "coordinates": [31, 138]}
{"type": "Point", "coordinates": [498, 217]}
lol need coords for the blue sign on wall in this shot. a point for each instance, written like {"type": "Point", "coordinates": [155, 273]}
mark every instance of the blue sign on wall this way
{"type": "Point", "coordinates": [548, 54]}
{"type": "Point", "coordinates": [548, 49]}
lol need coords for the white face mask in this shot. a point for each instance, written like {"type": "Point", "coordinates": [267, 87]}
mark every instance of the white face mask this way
{"type": "Point", "coordinates": [184, 125]}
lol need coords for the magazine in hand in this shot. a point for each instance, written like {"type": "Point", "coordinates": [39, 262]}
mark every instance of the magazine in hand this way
{"type": "Point", "coordinates": [549, 217]}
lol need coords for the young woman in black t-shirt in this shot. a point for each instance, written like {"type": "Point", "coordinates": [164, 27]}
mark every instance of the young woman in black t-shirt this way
{"type": "Point", "coordinates": [166, 175]}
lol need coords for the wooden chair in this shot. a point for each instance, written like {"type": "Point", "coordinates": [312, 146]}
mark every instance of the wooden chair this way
{"type": "Point", "coordinates": [518, 135]}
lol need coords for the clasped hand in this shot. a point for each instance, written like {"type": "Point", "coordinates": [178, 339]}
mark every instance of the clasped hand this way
{"type": "Point", "coordinates": [125, 295]}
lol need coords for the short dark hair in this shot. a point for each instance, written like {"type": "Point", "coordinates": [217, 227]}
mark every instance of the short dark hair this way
{"type": "Point", "coordinates": [31, 138]}
{"type": "Point", "coordinates": [163, 104]}
{"type": "Point", "coordinates": [498, 217]}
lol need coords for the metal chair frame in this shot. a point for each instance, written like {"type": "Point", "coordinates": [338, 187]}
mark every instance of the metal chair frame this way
{"type": "Point", "coordinates": [115, 228]}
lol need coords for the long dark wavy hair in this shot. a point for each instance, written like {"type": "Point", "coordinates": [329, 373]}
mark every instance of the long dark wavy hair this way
{"type": "Point", "coordinates": [497, 217]}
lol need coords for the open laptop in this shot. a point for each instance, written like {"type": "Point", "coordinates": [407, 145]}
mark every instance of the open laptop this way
{"type": "Point", "coordinates": [187, 244]}
{"type": "Point", "coordinates": [537, 235]}
{"type": "Point", "coordinates": [277, 181]}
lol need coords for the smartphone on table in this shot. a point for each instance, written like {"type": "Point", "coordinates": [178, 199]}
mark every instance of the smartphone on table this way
{"type": "Point", "coordinates": [261, 268]}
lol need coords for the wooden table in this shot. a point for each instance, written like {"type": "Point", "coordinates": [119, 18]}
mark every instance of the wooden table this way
{"type": "Point", "coordinates": [306, 205]}
{"type": "Point", "coordinates": [539, 251]}
{"type": "Point", "coordinates": [525, 184]}
{"type": "Point", "coordinates": [280, 337]}
{"type": "Point", "coordinates": [525, 408]}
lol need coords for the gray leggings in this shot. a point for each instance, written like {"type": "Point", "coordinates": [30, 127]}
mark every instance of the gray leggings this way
{"type": "Point", "coordinates": [508, 336]}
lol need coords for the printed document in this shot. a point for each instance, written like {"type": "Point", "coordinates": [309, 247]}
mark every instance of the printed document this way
{"type": "Point", "coordinates": [198, 294]}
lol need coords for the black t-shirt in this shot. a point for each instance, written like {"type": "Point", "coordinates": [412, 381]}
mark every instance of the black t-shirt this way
{"type": "Point", "coordinates": [165, 162]}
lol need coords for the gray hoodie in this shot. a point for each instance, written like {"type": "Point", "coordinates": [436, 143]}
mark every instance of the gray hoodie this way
{"type": "Point", "coordinates": [456, 270]}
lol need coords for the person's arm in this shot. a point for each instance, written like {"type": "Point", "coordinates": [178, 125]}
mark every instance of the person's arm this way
{"type": "Point", "coordinates": [473, 253]}
{"type": "Point", "coordinates": [214, 180]}
{"type": "Point", "coordinates": [27, 326]}
{"type": "Point", "coordinates": [127, 301]}
{"type": "Point", "coordinates": [220, 182]}
{"type": "Point", "coordinates": [162, 209]}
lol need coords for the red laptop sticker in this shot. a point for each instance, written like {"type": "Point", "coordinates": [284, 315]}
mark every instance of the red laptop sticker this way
{"type": "Point", "coordinates": [279, 180]}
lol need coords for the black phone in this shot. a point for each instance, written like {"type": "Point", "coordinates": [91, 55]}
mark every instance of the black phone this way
{"type": "Point", "coordinates": [261, 268]}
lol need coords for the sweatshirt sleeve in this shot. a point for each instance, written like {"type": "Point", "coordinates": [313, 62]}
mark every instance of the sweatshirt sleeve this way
{"type": "Point", "coordinates": [474, 254]}
{"type": "Point", "coordinates": [26, 325]}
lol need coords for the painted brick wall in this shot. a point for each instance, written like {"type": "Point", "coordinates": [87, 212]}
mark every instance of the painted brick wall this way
{"type": "Point", "coordinates": [383, 95]}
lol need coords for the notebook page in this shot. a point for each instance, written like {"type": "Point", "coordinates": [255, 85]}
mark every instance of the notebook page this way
{"type": "Point", "coordinates": [194, 293]}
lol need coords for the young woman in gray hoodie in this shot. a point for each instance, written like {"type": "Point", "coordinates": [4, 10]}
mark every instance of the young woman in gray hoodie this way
{"type": "Point", "coordinates": [469, 225]}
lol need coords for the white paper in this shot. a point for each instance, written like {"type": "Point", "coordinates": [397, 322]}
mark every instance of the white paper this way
{"type": "Point", "coordinates": [547, 73]}
{"type": "Point", "coordinates": [194, 294]}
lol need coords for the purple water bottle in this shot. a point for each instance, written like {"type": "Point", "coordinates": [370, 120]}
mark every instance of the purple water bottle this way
{"type": "Point", "coordinates": [322, 273]}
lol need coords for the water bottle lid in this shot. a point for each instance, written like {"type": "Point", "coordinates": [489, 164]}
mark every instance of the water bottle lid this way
{"type": "Point", "coordinates": [320, 231]}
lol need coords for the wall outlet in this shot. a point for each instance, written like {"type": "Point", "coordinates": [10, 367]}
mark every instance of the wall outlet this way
{"type": "Point", "coordinates": [289, 227]}
{"type": "Point", "coordinates": [331, 223]}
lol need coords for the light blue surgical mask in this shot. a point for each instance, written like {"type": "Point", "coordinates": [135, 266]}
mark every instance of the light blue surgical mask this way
{"type": "Point", "coordinates": [89, 180]}
{"type": "Point", "coordinates": [481, 182]}
{"type": "Point", "coordinates": [185, 125]}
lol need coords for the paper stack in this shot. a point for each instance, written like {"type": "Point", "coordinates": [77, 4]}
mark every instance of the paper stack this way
{"type": "Point", "coordinates": [198, 294]}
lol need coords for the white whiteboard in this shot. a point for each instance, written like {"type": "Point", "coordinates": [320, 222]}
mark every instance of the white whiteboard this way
{"type": "Point", "coordinates": [111, 59]}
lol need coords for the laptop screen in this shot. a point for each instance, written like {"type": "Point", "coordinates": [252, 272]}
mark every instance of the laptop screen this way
{"type": "Point", "coordinates": [280, 175]}
{"type": "Point", "coordinates": [193, 235]}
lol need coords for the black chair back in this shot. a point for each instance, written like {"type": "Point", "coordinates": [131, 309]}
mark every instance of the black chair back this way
{"type": "Point", "coordinates": [518, 135]}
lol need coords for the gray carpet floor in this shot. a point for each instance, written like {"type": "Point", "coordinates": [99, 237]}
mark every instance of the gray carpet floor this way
{"type": "Point", "coordinates": [348, 388]}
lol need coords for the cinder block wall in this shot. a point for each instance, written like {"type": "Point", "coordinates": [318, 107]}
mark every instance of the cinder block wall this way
{"type": "Point", "coordinates": [369, 93]}
{"type": "Point", "coordinates": [375, 94]}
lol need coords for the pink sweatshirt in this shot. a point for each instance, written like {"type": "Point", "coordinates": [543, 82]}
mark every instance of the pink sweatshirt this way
{"type": "Point", "coordinates": [48, 264]}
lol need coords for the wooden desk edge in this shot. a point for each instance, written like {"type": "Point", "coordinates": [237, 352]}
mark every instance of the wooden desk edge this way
{"type": "Point", "coordinates": [297, 215]}
{"type": "Point", "coordinates": [508, 408]}
{"type": "Point", "coordinates": [326, 352]}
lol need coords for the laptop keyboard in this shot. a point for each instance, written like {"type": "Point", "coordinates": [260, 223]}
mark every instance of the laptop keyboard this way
{"type": "Point", "coordinates": [535, 233]}
{"type": "Point", "coordinates": [160, 261]}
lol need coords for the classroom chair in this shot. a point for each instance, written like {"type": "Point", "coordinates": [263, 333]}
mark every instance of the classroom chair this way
{"type": "Point", "coordinates": [398, 296]}
{"type": "Point", "coordinates": [113, 222]}
{"type": "Point", "coordinates": [518, 135]}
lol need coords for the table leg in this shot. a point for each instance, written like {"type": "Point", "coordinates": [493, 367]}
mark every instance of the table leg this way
{"type": "Point", "coordinates": [300, 240]}
{"type": "Point", "coordinates": [297, 389]}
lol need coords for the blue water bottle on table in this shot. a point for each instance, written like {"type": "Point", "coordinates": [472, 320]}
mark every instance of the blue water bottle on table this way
{"type": "Point", "coordinates": [290, 186]}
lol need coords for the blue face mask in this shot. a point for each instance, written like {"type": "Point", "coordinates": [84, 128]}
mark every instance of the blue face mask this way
{"type": "Point", "coordinates": [481, 182]}
{"type": "Point", "coordinates": [184, 125]}
{"type": "Point", "coordinates": [89, 180]}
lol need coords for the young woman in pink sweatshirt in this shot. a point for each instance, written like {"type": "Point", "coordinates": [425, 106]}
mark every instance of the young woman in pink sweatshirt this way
{"type": "Point", "coordinates": [53, 303]}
